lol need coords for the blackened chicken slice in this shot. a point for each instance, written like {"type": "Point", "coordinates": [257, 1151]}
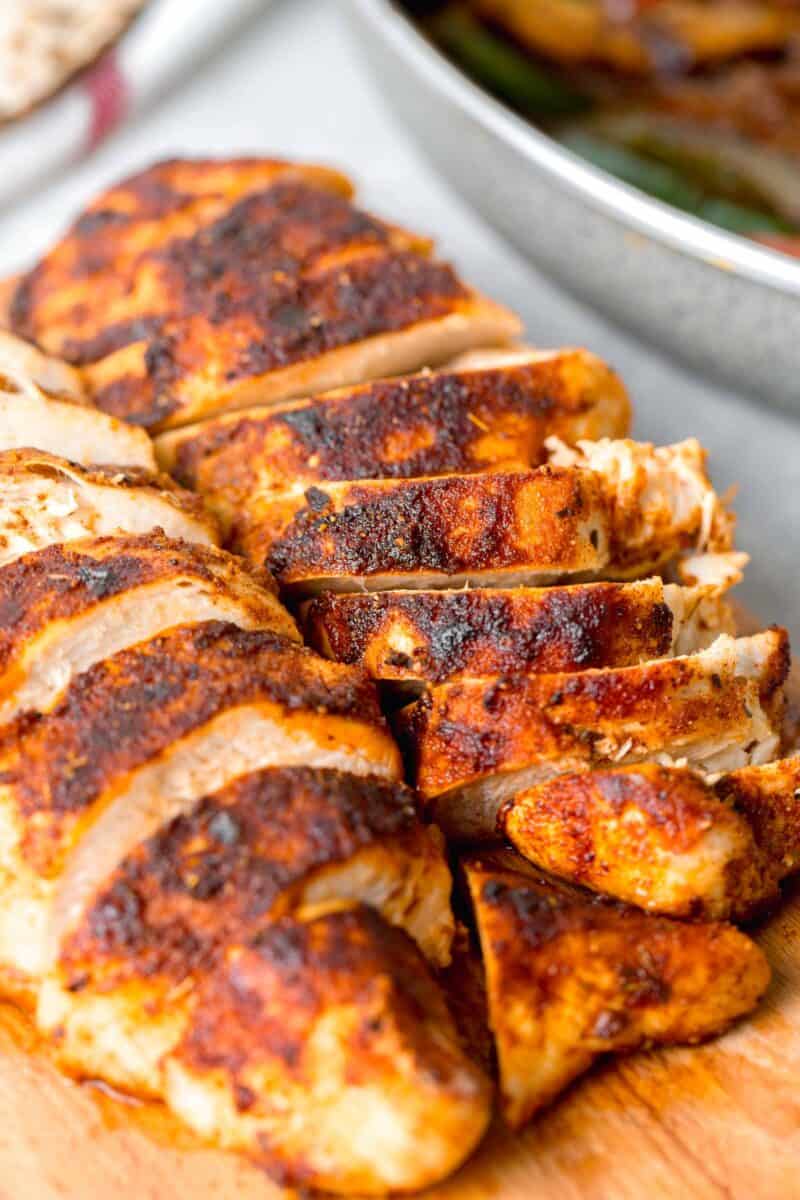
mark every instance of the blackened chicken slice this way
{"type": "Point", "coordinates": [607, 509]}
{"type": "Point", "coordinates": [488, 411]}
{"type": "Point", "coordinates": [409, 638]}
{"type": "Point", "coordinates": [653, 836]}
{"type": "Point", "coordinates": [325, 1050]}
{"type": "Point", "coordinates": [473, 743]}
{"type": "Point", "coordinates": [276, 842]}
{"type": "Point", "coordinates": [138, 738]}
{"type": "Point", "coordinates": [571, 977]}
{"type": "Point", "coordinates": [67, 607]}
{"type": "Point", "coordinates": [262, 294]}
{"type": "Point", "coordinates": [46, 499]}
{"type": "Point", "coordinates": [495, 530]}
{"type": "Point", "coordinates": [662, 837]}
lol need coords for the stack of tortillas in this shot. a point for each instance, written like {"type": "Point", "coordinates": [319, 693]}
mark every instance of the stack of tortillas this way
{"type": "Point", "coordinates": [44, 42]}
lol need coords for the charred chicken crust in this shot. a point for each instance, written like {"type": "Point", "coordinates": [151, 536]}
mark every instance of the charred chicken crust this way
{"type": "Point", "coordinates": [170, 199]}
{"type": "Point", "coordinates": [65, 608]}
{"type": "Point", "coordinates": [212, 885]}
{"type": "Point", "coordinates": [129, 708]}
{"type": "Point", "coordinates": [455, 420]}
{"type": "Point", "coordinates": [768, 797]}
{"type": "Point", "coordinates": [460, 527]}
{"type": "Point", "coordinates": [658, 837]}
{"type": "Point", "coordinates": [262, 295]}
{"type": "Point", "coordinates": [338, 1021]}
{"type": "Point", "coordinates": [639, 506]}
{"type": "Point", "coordinates": [726, 701]}
{"type": "Point", "coordinates": [571, 976]}
{"type": "Point", "coordinates": [268, 842]}
{"type": "Point", "coordinates": [415, 636]}
{"type": "Point", "coordinates": [65, 580]}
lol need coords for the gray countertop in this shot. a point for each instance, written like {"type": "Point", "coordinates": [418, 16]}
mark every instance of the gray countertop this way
{"type": "Point", "coordinates": [292, 84]}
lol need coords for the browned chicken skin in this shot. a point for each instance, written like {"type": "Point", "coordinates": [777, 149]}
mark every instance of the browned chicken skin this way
{"type": "Point", "coordinates": [570, 977]}
{"type": "Point", "coordinates": [607, 509]}
{"type": "Point", "coordinates": [143, 213]}
{"type": "Point", "coordinates": [768, 797]}
{"type": "Point", "coordinates": [146, 210]}
{"type": "Point", "coordinates": [269, 844]}
{"type": "Point", "coordinates": [165, 958]}
{"type": "Point", "coordinates": [139, 736]}
{"type": "Point", "coordinates": [269, 286]}
{"type": "Point", "coordinates": [537, 525]}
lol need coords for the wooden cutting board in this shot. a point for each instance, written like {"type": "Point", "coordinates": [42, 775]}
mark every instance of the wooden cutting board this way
{"type": "Point", "coordinates": [718, 1122]}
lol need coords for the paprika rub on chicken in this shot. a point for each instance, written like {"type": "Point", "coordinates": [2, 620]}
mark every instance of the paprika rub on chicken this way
{"type": "Point", "coordinates": [196, 287]}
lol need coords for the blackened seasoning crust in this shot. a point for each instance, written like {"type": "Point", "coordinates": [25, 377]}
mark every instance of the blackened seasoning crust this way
{"type": "Point", "coordinates": [219, 872]}
{"type": "Point", "coordinates": [444, 634]}
{"type": "Point", "coordinates": [214, 278]}
{"type": "Point", "coordinates": [440, 422]}
{"type": "Point", "coordinates": [129, 708]}
{"type": "Point", "coordinates": [456, 524]}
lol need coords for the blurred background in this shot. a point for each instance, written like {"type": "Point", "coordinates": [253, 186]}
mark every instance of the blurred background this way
{"type": "Point", "coordinates": [287, 77]}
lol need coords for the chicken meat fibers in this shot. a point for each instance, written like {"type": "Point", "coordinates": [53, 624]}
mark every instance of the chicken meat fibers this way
{"type": "Point", "coordinates": [216, 888]}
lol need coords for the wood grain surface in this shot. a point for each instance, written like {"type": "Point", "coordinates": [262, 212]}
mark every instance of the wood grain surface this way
{"type": "Point", "coordinates": [718, 1122]}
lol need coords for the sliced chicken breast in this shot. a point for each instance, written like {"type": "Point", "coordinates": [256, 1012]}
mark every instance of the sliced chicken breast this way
{"type": "Point", "coordinates": [664, 839]}
{"type": "Point", "coordinates": [643, 37]}
{"type": "Point", "coordinates": [531, 527]}
{"type": "Point", "coordinates": [45, 499]}
{"type": "Point", "coordinates": [570, 977]}
{"type": "Point", "coordinates": [138, 738]}
{"type": "Point", "coordinates": [67, 607]}
{"type": "Point", "coordinates": [144, 212]}
{"type": "Point", "coordinates": [42, 405]}
{"type": "Point", "coordinates": [473, 743]}
{"type": "Point", "coordinates": [492, 413]}
{"type": "Point", "coordinates": [408, 638]}
{"type": "Point", "coordinates": [662, 498]}
{"type": "Point", "coordinates": [768, 797]}
{"type": "Point", "coordinates": [658, 837]}
{"type": "Point", "coordinates": [325, 1050]}
{"type": "Point", "coordinates": [270, 844]}
{"type": "Point", "coordinates": [638, 506]}
{"type": "Point", "coordinates": [281, 292]}
{"type": "Point", "coordinates": [24, 366]}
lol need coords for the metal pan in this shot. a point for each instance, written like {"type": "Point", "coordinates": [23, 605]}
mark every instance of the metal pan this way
{"type": "Point", "coordinates": [720, 303]}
